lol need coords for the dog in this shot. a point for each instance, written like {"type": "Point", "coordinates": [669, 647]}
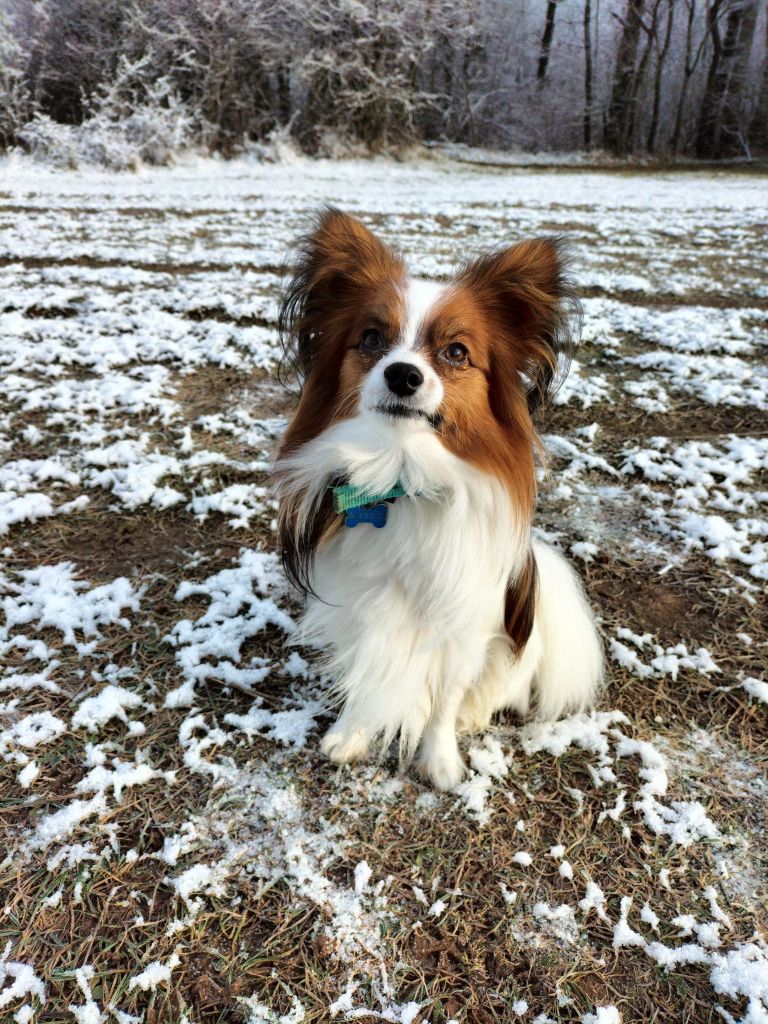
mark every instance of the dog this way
{"type": "Point", "coordinates": [406, 483]}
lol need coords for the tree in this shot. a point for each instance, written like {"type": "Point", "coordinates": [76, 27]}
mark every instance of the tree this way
{"type": "Point", "coordinates": [721, 127]}
{"type": "Point", "coordinates": [661, 56]}
{"type": "Point", "coordinates": [546, 41]}
{"type": "Point", "coordinates": [759, 128]}
{"type": "Point", "coordinates": [587, 122]}
{"type": "Point", "coordinates": [689, 66]}
{"type": "Point", "coordinates": [619, 120]}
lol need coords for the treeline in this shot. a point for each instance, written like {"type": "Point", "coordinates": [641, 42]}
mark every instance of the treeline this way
{"type": "Point", "coordinates": [105, 79]}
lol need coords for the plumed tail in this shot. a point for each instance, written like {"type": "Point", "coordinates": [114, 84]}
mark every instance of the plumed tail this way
{"type": "Point", "coordinates": [571, 668]}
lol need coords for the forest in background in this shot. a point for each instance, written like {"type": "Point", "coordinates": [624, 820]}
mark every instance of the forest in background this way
{"type": "Point", "coordinates": [118, 82]}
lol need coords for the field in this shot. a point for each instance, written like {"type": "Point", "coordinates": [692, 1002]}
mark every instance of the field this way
{"type": "Point", "coordinates": [174, 847]}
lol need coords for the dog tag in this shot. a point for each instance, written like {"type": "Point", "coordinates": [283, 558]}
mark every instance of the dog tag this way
{"type": "Point", "coordinates": [376, 515]}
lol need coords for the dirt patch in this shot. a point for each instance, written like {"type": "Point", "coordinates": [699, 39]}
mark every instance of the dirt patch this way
{"type": "Point", "coordinates": [109, 544]}
{"type": "Point", "coordinates": [627, 422]}
{"type": "Point", "coordinates": [221, 315]}
{"type": "Point", "coordinates": [676, 606]}
{"type": "Point", "coordinates": [215, 389]}
{"type": "Point", "coordinates": [45, 312]}
{"type": "Point", "coordinates": [660, 300]}
{"type": "Point", "coordinates": [151, 266]}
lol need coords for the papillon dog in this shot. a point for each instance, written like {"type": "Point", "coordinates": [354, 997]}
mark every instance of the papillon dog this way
{"type": "Point", "coordinates": [407, 485]}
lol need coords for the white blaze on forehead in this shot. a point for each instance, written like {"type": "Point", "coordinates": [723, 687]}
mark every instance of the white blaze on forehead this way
{"type": "Point", "coordinates": [420, 297]}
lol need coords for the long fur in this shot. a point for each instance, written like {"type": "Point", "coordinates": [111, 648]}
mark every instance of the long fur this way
{"type": "Point", "coordinates": [451, 612]}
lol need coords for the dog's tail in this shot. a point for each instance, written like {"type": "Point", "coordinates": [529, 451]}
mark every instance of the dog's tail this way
{"type": "Point", "coordinates": [570, 671]}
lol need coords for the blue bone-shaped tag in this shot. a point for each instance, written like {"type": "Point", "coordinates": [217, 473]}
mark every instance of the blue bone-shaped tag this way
{"type": "Point", "coordinates": [376, 515]}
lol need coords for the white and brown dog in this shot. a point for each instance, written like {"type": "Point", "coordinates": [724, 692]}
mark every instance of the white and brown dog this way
{"type": "Point", "coordinates": [407, 490]}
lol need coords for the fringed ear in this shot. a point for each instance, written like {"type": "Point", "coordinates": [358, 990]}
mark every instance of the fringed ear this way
{"type": "Point", "coordinates": [331, 269]}
{"type": "Point", "coordinates": [520, 605]}
{"type": "Point", "coordinates": [529, 300]}
{"type": "Point", "coordinates": [299, 540]}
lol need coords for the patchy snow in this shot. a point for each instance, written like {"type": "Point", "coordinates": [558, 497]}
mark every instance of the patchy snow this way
{"type": "Point", "coordinates": [756, 688]}
{"type": "Point", "coordinates": [154, 974]}
{"type": "Point", "coordinates": [18, 980]}
{"type": "Point", "coordinates": [89, 1011]}
{"type": "Point", "coordinates": [209, 647]}
{"type": "Point", "coordinates": [559, 921]}
{"type": "Point", "coordinates": [112, 702]}
{"type": "Point", "coordinates": [31, 731]}
{"type": "Point", "coordinates": [602, 1015]}
{"type": "Point", "coordinates": [52, 597]}
{"type": "Point", "coordinates": [104, 377]}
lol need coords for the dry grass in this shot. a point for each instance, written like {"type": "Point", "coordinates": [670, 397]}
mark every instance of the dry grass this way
{"type": "Point", "coordinates": [478, 958]}
{"type": "Point", "coordinates": [481, 955]}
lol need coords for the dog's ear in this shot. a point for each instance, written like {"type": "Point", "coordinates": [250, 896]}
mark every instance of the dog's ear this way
{"type": "Point", "coordinates": [333, 270]}
{"type": "Point", "coordinates": [520, 604]}
{"type": "Point", "coordinates": [529, 301]}
{"type": "Point", "coordinates": [333, 266]}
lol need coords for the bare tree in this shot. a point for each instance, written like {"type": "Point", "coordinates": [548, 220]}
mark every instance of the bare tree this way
{"type": "Point", "coordinates": [661, 56]}
{"type": "Point", "coordinates": [721, 127]}
{"type": "Point", "coordinates": [546, 40]}
{"type": "Point", "coordinates": [587, 122]}
{"type": "Point", "coordinates": [759, 128]}
{"type": "Point", "coordinates": [650, 29]}
{"type": "Point", "coordinates": [339, 74]}
{"type": "Point", "coordinates": [689, 66]}
{"type": "Point", "coordinates": [619, 120]}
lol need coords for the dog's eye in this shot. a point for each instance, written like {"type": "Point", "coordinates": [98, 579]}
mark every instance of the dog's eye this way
{"type": "Point", "coordinates": [372, 342]}
{"type": "Point", "coordinates": [455, 353]}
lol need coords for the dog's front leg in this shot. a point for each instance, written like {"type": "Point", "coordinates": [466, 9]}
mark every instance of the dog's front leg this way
{"type": "Point", "coordinates": [439, 757]}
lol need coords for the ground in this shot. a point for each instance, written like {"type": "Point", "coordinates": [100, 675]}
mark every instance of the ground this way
{"type": "Point", "coordinates": [175, 847]}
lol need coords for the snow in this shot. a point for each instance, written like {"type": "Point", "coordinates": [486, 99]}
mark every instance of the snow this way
{"type": "Point", "coordinates": [602, 1015]}
{"type": "Point", "coordinates": [648, 915]}
{"type": "Point", "coordinates": [51, 596]}
{"type": "Point", "coordinates": [362, 876]}
{"type": "Point", "coordinates": [200, 878]}
{"type": "Point", "coordinates": [742, 971]}
{"type": "Point", "coordinates": [59, 825]}
{"type": "Point", "coordinates": [97, 415]}
{"type": "Point", "coordinates": [28, 774]}
{"type": "Point", "coordinates": [87, 1012]}
{"type": "Point", "coordinates": [18, 980]}
{"type": "Point", "coordinates": [238, 610]}
{"type": "Point", "coordinates": [31, 731]}
{"type": "Point", "coordinates": [756, 688]}
{"type": "Point", "coordinates": [559, 921]}
{"type": "Point", "coordinates": [123, 775]}
{"type": "Point", "coordinates": [594, 899]}
{"type": "Point", "coordinates": [684, 822]}
{"type": "Point", "coordinates": [94, 712]}
{"type": "Point", "coordinates": [155, 973]}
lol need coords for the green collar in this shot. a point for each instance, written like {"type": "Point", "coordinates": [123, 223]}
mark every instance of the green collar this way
{"type": "Point", "coordinates": [348, 497]}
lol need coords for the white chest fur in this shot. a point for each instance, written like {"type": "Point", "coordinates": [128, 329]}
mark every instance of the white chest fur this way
{"type": "Point", "coordinates": [406, 613]}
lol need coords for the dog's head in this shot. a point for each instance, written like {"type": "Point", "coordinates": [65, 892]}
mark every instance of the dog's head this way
{"type": "Point", "coordinates": [471, 359]}
{"type": "Point", "coordinates": [474, 357]}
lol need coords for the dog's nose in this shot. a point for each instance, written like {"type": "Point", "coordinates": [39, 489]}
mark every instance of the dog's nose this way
{"type": "Point", "coordinates": [403, 378]}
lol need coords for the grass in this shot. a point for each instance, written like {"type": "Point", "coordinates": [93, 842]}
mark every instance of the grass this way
{"type": "Point", "coordinates": [478, 958]}
{"type": "Point", "coordinates": [260, 934]}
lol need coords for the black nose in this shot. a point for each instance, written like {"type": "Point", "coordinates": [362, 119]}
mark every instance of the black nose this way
{"type": "Point", "coordinates": [403, 378]}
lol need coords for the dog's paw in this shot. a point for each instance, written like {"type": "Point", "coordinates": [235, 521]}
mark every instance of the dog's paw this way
{"type": "Point", "coordinates": [442, 766]}
{"type": "Point", "coordinates": [345, 745]}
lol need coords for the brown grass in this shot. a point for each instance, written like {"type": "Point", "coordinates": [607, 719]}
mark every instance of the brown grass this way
{"type": "Point", "coordinates": [481, 955]}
